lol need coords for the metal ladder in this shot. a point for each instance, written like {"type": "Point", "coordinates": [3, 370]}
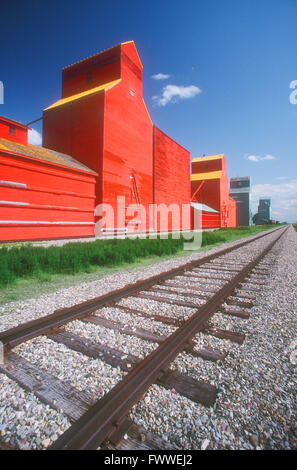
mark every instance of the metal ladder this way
{"type": "Point", "coordinates": [135, 205]}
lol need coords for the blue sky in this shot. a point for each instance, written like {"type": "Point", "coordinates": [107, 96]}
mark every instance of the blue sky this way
{"type": "Point", "coordinates": [229, 63]}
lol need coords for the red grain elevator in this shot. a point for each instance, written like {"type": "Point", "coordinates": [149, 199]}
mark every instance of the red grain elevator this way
{"type": "Point", "coordinates": [102, 121]}
{"type": "Point", "coordinates": [209, 187]}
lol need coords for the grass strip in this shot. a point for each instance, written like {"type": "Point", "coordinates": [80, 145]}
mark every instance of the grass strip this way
{"type": "Point", "coordinates": [27, 261]}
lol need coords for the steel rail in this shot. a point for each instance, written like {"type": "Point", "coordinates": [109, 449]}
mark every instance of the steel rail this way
{"type": "Point", "coordinates": [26, 331]}
{"type": "Point", "coordinates": [98, 424]}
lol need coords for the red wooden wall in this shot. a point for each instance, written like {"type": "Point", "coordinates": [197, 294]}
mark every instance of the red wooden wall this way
{"type": "Point", "coordinates": [208, 220]}
{"type": "Point", "coordinates": [42, 201]}
{"type": "Point", "coordinates": [20, 133]}
{"type": "Point", "coordinates": [76, 129]}
{"type": "Point", "coordinates": [91, 72]}
{"type": "Point", "coordinates": [227, 205]}
{"type": "Point", "coordinates": [128, 143]}
{"type": "Point", "coordinates": [171, 177]}
{"type": "Point", "coordinates": [209, 193]}
{"type": "Point", "coordinates": [224, 196]}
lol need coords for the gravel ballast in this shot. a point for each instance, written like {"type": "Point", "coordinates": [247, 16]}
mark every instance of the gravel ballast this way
{"type": "Point", "coordinates": [255, 407]}
{"type": "Point", "coordinates": [256, 403]}
{"type": "Point", "coordinates": [23, 311]}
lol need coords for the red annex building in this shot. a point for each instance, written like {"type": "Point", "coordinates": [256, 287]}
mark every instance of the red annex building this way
{"type": "Point", "coordinates": [210, 192]}
{"type": "Point", "coordinates": [43, 194]}
{"type": "Point", "coordinates": [99, 144]}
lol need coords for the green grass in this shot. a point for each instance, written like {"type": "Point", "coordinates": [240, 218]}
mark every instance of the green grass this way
{"type": "Point", "coordinates": [72, 258]}
{"type": "Point", "coordinates": [28, 271]}
{"type": "Point", "coordinates": [232, 234]}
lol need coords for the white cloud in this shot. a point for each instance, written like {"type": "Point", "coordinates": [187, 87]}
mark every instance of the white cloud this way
{"type": "Point", "coordinates": [269, 157]}
{"type": "Point", "coordinates": [259, 158]}
{"type": "Point", "coordinates": [253, 158]}
{"type": "Point", "coordinates": [174, 93]}
{"type": "Point", "coordinates": [160, 76]}
{"type": "Point", "coordinates": [34, 137]}
{"type": "Point", "coordinates": [283, 199]}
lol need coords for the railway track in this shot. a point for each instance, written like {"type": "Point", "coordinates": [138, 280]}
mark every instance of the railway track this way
{"type": "Point", "coordinates": [214, 283]}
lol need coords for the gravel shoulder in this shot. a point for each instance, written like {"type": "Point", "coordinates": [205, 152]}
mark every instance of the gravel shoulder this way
{"type": "Point", "coordinates": [14, 313]}
{"type": "Point", "coordinates": [256, 404]}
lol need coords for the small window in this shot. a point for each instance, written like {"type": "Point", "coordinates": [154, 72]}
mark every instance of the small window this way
{"type": "Point", "coordinates": [132, 93]}
{"type": "Point", "coordinates": [12, 130]}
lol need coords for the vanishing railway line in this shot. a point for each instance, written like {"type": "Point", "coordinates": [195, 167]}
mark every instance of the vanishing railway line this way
{"type": "Point", "coordinates": [217, 282]}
